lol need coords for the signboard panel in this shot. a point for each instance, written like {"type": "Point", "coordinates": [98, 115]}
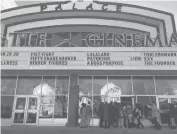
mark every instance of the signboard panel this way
{"type": "Point", "coordinates": [112, 60]}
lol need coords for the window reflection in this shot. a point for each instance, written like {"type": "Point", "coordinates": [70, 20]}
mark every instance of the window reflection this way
{"type": "Point", "coordinates": [6, 106]}
{"type": "Point", "coordinates": [143, 86]}
{"type": "Point", "coordinates": [26, 84]}
{"type": "Point", "coordinates": [98, 83]}
{"type": "Point", "coordinates": [124, 83]}
{"type": "Point", "coordinates": [85, 84]}
{"type": "Point", "coordinates": [62, 83]}
{"type": "Point", "coordinates": [31, 117]}
{"type": "Point", "coordinates": [166, 85]}
{"type": "Point", "coordinates": [96, 103]}
{"type": "Point", "coordinates": [50, 80]}
{"type": "Point", "coordinates": [46, 111]}
{"type": "Point", "coordinates": [21, 103]}
{"type": "Point", "coordinates": [60, 107]}
{"type": "Point", "coordinates": [19, 117]}
{"type": "Point", "coordinates": [8, 85]}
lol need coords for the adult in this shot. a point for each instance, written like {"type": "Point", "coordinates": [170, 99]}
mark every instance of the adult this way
{"type": "Point", "coordinates": [155, 116]}
{"type": "Point", "coordinates": [83, 122]}
{"type": "Point", "coordinates": [117, 111]}
{"type": "Point", "coordinates": [130, 115]}
{"type": "Point", "coordinates": [175, 111]}
{"type": "Point", "coordinates": [121, 119]}
{"type": "Point", "coordinates": [138, 116]}
{"type": "Point", "coordinates": [105, 115]}
{"type": "Point", "coordinates": [111, 114]}
{"type": "Point", "coordinates": [101, 113]}
{"type": "Point", "coordinates": [88, 113]}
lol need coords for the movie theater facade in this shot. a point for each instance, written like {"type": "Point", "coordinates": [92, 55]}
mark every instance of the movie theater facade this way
{"type": "Point", "coordinates": [55, 56]}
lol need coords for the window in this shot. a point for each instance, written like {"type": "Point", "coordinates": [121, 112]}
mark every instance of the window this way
{"type": "Point", "coordinates": [85, 85]}
{"type": "Point", "coordinates": [62, 84]}
{"type": "Point", "coordinates": [122, 82]}
{"type": "Point", "coordinates": [99, 82]}
{"type": "Point", "coordinates": [143, 85]}
{"type": "Point", "coordinates": [27, 84]}
{"type": "Point", "coordinates": [166, 85]}
{"type": "Point", "coordinates": [8, 85]}
{"type": "Point", "coordinates": [61, 106]}
{"type": "Point", "coordinates": [6, 106]}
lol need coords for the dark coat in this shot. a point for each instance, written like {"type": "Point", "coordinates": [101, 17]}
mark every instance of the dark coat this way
{"type": "Point", "coordinates": [101, 109]}
{"type": "Point", "coordinates": [117, 108]}
{"type": "Point", "coordinates": [106, 107]}
{"type": "Point", "coordinates": [172, 112]}
{"type": "Point", "coordinates": [111, 111]}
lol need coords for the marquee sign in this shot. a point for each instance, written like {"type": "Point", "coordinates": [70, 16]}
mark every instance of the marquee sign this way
{"type": "Point", "coordinates": [94, 60]}
{"type": "Point", "coordinates": [150, 17]}
{"type": "Point", "coordinates": [85, 39]}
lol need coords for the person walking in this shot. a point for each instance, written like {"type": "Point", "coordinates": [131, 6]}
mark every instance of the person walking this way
{"type": "Point", "coordinates": [155, 116]}
{"type": "Point", "coordinates": [172, 115]}
{"type": "Point", "coordinates": [105, 117]}
{"type": "Point", "coordinates": [138, 116]}
{"type": "Point", "coordinates": [83, 123]}
{"type": "Point", "coordinates": [101, 113]}
{"type": "Point", "coordinates": [88, 114]}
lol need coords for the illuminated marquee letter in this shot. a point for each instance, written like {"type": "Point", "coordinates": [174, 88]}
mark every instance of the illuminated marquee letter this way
{"type": "Point", "coordinates": [91, 40]}
{"type": "Point", "coordinates": [15, 35]}
{"type": "Point", "coordinates": [173, 40]}
{"type": "Point", "coordinates": [103, 7]}
{"type": "Point", "coordinates": [43, 7]}
{"type": "Point", "coordinates": [41, 39]}
{"type": "Point", "coordinates": [149, 41]}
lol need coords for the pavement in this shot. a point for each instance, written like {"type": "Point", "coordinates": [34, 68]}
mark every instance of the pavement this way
{"type": "Point", "coordinates": [77, 130]}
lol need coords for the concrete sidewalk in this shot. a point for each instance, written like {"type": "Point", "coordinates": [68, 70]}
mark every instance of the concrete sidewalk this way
{"type": "Point", "coordinates": [77, 130]}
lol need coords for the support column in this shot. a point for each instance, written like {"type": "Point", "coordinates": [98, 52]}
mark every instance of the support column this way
{"type": "Point", "coordinates": [73, 102]}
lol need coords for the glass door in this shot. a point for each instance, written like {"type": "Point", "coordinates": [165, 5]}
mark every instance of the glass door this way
{"type": "Point", "coordinates": [163, 105]}
{"type": "Point", "coordinates": [32, 110]}
{"type": "Point", "coordinates": [26, 110]}
{"type": "Point", "coordinates": [19, 110]}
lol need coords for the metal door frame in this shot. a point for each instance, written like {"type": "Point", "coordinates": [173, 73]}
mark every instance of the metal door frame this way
{"type": "Point", "coordinates": [25, 109]}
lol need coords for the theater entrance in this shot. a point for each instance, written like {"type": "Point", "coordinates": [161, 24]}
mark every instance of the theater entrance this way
{"type": "Point", "coordinates": [26, 109]}
{"type": "Point", "coordinates": [128, 100]}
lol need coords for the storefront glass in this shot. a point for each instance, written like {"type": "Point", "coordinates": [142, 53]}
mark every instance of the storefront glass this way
{"type": "Point", "coordinates": [85, 85]}
{"type": "Point", "coordinates": [6, 106]}
{"type": "Point", "coordinates": [123, 82]}
{"type": "Point", "coordinates": [8, 85]}
{"type": "Point", "coordinates": [143, 85]}
{"type": "Point", "coordinates": [166, 85]}
{"type": "Point", "coordinates": [99, 82]}
{"type": "Point", "coordinates": [27, 84]}
{"type": "Point", "coordinates": [62, 85]}
{"type": "Point", "coordinates": [61, 106]}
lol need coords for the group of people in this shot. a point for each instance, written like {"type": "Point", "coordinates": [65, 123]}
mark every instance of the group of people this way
{"type": "Point", "coordinates": [113, 114]}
